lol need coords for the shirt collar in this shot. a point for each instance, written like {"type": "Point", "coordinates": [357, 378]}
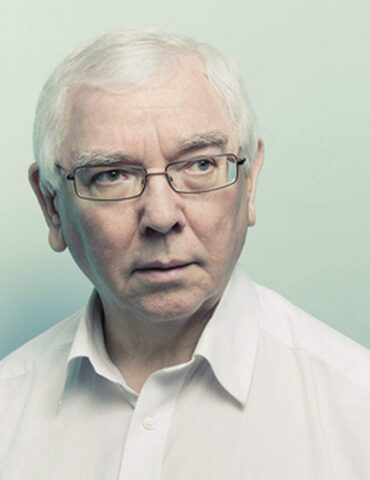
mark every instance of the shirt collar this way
{"type": "Point", "coordinates": [89, 344]}
{"type": "Point", "coordinates": [229, 341]}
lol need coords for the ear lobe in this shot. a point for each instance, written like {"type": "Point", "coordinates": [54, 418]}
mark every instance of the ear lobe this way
{"type": "Point", "coordinates": [252, 181]}
{"type": "Point", "coordinates": [46, 201]}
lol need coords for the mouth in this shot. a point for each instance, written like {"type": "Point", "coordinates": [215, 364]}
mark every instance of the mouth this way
{"type": "Point", "coordinates": [163, 270]}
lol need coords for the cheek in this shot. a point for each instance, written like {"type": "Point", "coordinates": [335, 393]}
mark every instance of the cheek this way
{"type": "Point", "coordinates": [220, 221]}
{"type": "Point", "coordinates": [97, 235]}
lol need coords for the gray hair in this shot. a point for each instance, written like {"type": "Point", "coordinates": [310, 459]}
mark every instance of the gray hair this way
{"type": "Point", "coordinates": [119, 60]}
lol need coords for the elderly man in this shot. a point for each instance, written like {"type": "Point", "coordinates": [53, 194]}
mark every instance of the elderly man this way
{"type": "Point", "coordinates": [179, 367]}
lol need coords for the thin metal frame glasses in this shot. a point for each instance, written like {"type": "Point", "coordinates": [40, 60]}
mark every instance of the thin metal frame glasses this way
{"type": "Point", "coordinates": [105, 182]}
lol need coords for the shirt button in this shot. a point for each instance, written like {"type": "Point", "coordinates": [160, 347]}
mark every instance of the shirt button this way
{"type": "Point", "coordinates": [149, 423]}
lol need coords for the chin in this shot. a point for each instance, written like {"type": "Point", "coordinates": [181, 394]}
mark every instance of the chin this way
{"type": "Point", "coordinates": [170, 307]}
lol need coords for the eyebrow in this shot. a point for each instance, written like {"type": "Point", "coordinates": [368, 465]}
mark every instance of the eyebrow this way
{"type": "Point", "coordinates": [208, 139]}
{"type": "Point", "coordinates": [83, 159]}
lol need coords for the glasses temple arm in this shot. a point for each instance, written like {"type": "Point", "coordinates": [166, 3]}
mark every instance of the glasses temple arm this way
{"type": "Point", "coordinates": [64, 174]}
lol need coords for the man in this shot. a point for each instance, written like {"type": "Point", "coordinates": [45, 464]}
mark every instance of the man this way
{"type": "Point", "coordinates": [179, 367]}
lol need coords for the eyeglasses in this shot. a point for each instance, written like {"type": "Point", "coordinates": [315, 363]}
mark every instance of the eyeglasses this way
{"type": "Point", "coordinates": [122, 181]}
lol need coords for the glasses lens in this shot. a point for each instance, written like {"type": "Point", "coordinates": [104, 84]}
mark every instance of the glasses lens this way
{"type": "Point", "coordinates": [109, 182]}
{"type": "Point", "coordinates": [203, 173]}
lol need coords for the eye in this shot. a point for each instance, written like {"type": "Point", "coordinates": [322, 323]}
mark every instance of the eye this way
{"type": "Point", "coordinates": [204, 164]}
{"type": "Point", "coordinates": [109, 176]}
{"type": "Point", "coordinates": [201, 165]}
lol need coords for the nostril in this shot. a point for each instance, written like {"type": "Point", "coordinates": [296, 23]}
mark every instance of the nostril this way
{"type": "Point", "coordinates": [154, 233]}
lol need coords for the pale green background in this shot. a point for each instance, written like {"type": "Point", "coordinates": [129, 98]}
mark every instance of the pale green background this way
{"type": "Point", "coordinates": [306, 66]}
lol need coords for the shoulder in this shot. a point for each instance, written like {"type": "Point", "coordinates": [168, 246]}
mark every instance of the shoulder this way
{"type": "Point", "coordinates": [298, 331]}
{"type": "Point", "coordinates": [25, 358]}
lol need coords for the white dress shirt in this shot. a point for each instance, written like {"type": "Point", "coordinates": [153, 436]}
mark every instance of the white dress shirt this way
{"type": "Point", "coordinates": [269, 394]}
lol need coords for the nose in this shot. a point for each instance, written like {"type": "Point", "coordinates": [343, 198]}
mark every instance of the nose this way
{"type": "Point", "coordinates": [160, 207]}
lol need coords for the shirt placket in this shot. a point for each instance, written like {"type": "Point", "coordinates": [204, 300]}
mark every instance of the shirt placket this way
{"type": "Point", "coordinates": [145, 444]}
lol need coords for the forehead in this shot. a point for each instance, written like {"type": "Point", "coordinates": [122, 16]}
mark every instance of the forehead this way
{"type": "Point", "coordinates": [161, 113]}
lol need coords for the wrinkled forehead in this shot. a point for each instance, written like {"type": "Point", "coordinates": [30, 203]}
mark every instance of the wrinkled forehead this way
{"type": "Point", "coordinates": [179, 106]}
{"type": "Point", "coordinates": [186, 84]}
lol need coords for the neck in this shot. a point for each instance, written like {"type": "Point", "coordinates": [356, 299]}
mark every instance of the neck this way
{"type": "Point", "coordinates": [139, 347]}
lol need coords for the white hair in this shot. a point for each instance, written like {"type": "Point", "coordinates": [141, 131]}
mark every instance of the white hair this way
{"type": "Point", "coordinates": [125, 58]}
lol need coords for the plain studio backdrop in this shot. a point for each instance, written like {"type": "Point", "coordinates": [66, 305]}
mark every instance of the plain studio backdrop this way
{"type": "Point", "coordinates": [307, 70]}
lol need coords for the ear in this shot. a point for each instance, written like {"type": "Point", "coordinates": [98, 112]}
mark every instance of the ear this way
{"type": "Point", "coordinates": [46, 201]}
{"type": "Point", "coordinates": [252, 180]}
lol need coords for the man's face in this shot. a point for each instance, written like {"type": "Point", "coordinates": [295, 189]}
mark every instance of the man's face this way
{"type": "Point", "coordinates": [196, 239]}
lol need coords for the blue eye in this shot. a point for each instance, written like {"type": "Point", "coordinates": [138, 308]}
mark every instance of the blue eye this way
{"type": "Point", "coordinates": [109, 176]}
{"type": "Point", "coordinates": [203, 164]}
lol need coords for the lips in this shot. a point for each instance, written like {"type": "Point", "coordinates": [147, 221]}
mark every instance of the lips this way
{"type": "Point", "coordinates": [162, 266]}
{"type": "Point", "coordinates": [164, 273]}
